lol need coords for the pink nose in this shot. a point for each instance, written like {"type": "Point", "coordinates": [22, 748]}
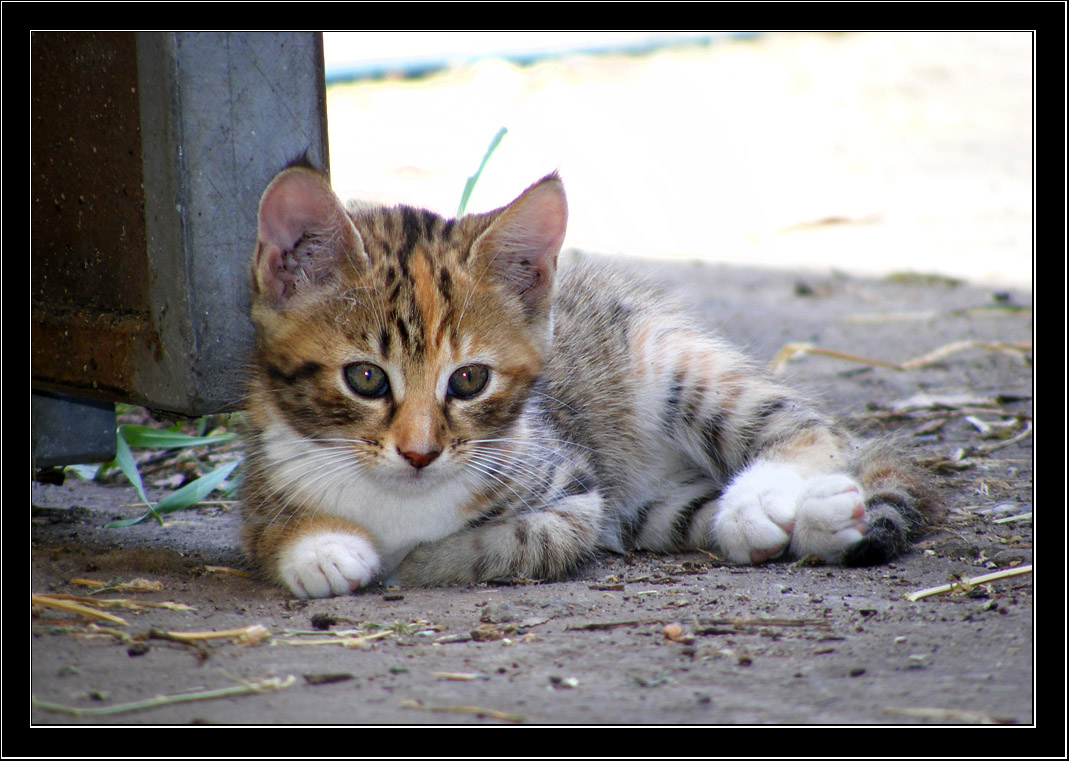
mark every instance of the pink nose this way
{"type": "Point", "coordinates": [420, 459]}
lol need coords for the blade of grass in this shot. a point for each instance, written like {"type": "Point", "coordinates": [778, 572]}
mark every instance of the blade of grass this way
{"type": "Point", "coordinates": [146, 437]}
{"type": "Point", "coordinates": [188, 495]}
{"type": "Point", "coordinates": [470, 184]}
{"type": "Point", "coordinates": [124, 458]}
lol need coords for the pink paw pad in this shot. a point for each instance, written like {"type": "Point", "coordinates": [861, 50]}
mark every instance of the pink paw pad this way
{"type": "Point", "coordinates": [760, 556]}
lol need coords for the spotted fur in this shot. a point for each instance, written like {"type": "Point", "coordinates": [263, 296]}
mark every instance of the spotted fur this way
{"type": "Point", "coordinates": [433, 401]}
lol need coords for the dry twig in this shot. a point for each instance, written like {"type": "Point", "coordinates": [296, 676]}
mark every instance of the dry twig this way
{"type": "Point", "coordinates": [246, 688]}
{"type": "Point", "coordinates": [362, 640]}
{"type": "Point", "coordinates": [950, 714]}
{"type": "Point", "coordinates": [222, 569]}
{"type": "Point", "coordinates": [137, 585]}
{"type": "Point", "coordinates": [457, 676]}
{"type": "Point", "coordinates": [599, 625]}
{"type": "Point", "coordinates": [246, 635]}
{"type": "Point", "coordinates": [818, 622]}
{"type": "Point", "coordinates": [96, 602]}
{"type": "Point", "coordinates": [792, 350]}
{"type": "Point", "coordinates": [965, 585]}
{"type": "Point", "coordinates": [71, 606]}
{"type": "Point", "coordinates": [477, 710]}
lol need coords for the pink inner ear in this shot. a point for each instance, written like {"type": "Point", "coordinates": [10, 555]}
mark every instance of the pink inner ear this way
{"type": "Point", "coordinates": [526, 239]}
{"type": "Point", "coordinates": [272, 272]}
{"type": "Point", "coordinates": [296, 201]}
{"type": "Point", "coordinates": [300, 203]}
{"type": "Point", "coordinates": [545, 215]}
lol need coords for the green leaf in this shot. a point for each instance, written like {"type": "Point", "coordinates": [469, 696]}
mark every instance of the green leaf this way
{"type": "Point", "coordinates": [146, 437]}
{"type": "Point", "coordinates": [84, 472]}
{"type": "Point", "coordinates": [470, 184]}
{"type": "Point", "coordinates": [124, 458]}
{"type": "Point", "coordinates": [188, 495]}
{"type": "Point", "coordinates": [195, 491]}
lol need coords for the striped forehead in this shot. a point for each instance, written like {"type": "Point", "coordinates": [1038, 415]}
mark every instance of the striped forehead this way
{"type": "Point", "coordinates": [394, 234]}
{"type": "Point", "coordinates": [414, 255]}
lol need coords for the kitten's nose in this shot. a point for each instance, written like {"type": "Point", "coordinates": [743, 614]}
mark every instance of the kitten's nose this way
{"type": "Point", "coordinates": [420, 459]}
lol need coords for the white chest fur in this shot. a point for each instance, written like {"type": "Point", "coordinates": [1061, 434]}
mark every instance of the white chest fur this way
{"type": "Point", "coordinates": [329, 478]}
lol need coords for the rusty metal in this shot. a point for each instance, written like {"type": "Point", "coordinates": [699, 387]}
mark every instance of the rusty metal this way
{"type": "Point", "coordinates": [89, 263]}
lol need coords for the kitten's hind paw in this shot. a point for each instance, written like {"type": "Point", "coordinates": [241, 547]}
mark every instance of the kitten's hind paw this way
{"type": "Point", "coordinates": [830, 518]}
{"type": "Point", "coordinates": [328, 563]}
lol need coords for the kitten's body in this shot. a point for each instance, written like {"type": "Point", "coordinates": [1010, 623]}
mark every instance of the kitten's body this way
{"type": "Point", "coordinates": [433, 399]}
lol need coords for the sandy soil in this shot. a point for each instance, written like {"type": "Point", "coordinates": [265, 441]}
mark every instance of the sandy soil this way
{"type": "Point", "coordinates": [778, 644]}
{"type": "Point", "coordinates": [919, 145]}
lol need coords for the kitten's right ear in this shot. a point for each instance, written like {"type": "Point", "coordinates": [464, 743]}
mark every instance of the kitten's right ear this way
{"type": "Point", "coordinates": [303, 235]}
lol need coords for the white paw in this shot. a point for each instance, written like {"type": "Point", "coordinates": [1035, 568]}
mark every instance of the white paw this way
{"type": "Point", "coordinates": [756, 514]}
{"type": "Point", "coordinates": [830, 517]}
{"type": "Point", "coordinates": [328, 563]}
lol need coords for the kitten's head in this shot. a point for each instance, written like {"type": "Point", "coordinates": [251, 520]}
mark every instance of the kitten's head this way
{"type": "Point", "coordinates": [402, 336]}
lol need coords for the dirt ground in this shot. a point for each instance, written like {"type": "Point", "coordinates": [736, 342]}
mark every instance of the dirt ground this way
{"type": "Point", "coordinates": [641, 639]}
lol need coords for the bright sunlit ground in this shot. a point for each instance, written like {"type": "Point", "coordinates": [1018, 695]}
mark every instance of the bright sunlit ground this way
{"type": "Point", "coordinates": [868, 153]}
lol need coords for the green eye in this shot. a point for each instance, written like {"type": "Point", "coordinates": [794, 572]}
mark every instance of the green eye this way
{"type": "Point", "coordinates": [366, 379]}
{"type": "Point", "coordinates": [468, 381]}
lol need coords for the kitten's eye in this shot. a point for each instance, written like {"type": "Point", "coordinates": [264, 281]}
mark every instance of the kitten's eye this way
{"type": "Point", "coordinates": [366, 379]}
{"type": "Point", "coordinates": [468, 381]}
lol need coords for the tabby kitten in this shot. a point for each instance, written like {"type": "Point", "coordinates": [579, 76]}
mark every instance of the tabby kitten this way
{"type": "Point", "coordinates": [432, 401]}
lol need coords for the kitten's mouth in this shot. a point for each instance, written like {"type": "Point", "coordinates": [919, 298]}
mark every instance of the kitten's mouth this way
{"type": "Point", "coordinates": [409, 475]}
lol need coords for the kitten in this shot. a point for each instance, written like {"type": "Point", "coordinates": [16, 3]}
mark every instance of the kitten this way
{"type": "Point", "coordinates": [433, 401]}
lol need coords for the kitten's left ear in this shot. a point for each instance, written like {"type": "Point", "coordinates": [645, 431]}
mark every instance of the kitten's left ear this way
{"type": "Point", "coordinates": [522, 243]}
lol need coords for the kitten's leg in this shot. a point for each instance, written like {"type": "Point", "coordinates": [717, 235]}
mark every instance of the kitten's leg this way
{"type": "Point", "coordinates": [769, 509]}
{"type": "Point", "coordinates": [788, 481]}
{"type": "Point", "coordinates": [810, 494]}
{"type": "Point", "coordinates": [543, 543]}
{"type": "Point", "coordinates": [792, 498]}
{"type": "Point", "coordinates": [315, 556]}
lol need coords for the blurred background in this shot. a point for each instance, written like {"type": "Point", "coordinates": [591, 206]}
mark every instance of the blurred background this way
{"type": "Point", "coordinates": [868, 153]}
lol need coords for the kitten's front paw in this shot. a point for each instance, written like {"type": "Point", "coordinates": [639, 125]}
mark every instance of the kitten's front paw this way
{"type": "Point", "coordinates": [830, 518]}
{"type": "Point", "coordinates": [328, 563]}
{"type": "Point", "coordinates": [757, 513]}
